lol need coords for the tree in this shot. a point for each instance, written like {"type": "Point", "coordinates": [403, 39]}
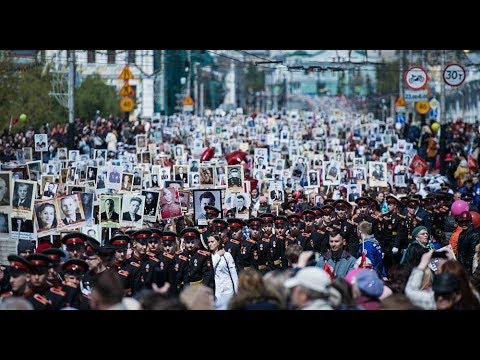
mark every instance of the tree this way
{"type": "Point", "coordinates": [25, 90]}
{"type": "Point", "coordinates": [94, 94]}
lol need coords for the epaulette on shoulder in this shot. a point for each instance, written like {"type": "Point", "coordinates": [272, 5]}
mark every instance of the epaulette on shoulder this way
{"type": "Point", "coordinates": [267, 240]}
{"type": "Point", "coordinates": [178, 252]}
{"type": "Point", "coordinates": [418, 218]}
{"type": "Point", "coordinates": [123, 272]}
{"type": "Point", "coordinates": [168, 255]}
{"type": "Point", "coordinates": [328, 228]}
{"type": "Point", "coordinates": [321, 232]}
{"type": "Point", "coordinates": [7, 294]}
{"type": "Point", "coordinates": [183, 257]}
{"type": "Point", "coordinates": [306, 234]}
{"type": "Point", "coordinates": [69, 284]}
{"type": "Point", "coordinates": [351, 222]}
{"type": "Point", "coordinates": [355, 216]}
{"type": "Point", "coordinates": [203, 252]}
{"type": "Point", "coordinates": [337, 226]}
{"type": "Point", "coordinates": [154, 258]}
{"type": "Point", "coordinates": [57, 291]}
{"type": "Point", "coordinates": [252, 241]}
{"type": "Point", "coordinates": [150, 254]}
{"type": "Point", "coordinates": [41, 299]}
{"type": "Point", "coordinates": [133, 263]}
{"type": "Point", "coordinates": [235, 241]}
{"type": "Point", "coordinates": [401, 216]}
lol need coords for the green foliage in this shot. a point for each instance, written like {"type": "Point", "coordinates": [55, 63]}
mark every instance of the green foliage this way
{"type": "Point", "coordinates": [387, 78]}
{"type": "Point", "coordinates": [24, 90]}
{"type": "Point", "coordinates": [94, 94]}
{"type": "Point", "coordinates": [254, 79]}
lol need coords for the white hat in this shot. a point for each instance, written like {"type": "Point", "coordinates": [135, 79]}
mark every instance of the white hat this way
{"type": "Point", "coordinates": [311, 277]}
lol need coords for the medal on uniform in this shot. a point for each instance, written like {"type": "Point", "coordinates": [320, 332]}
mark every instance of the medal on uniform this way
{"type": "Point", "coordinates": [255, 255]}
{"type": "Point", "coordinates": [261, 247]}
{"type": "Point", "coordinates": [195, 262]}
{"type": "Point", "coordinates": [161, 265]}
{"type": "Point", "coordinates": [147, 268]}
{"type": "Point", "coordinates": [274, 244]}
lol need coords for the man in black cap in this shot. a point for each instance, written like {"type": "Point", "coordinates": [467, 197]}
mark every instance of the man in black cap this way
{"type": "Point", "coordinates": [363, 214]}
{"type": "Point", "coordinates": [211, 213]}
{"type": "Point", "coordinates": [166, 261]}
{"type": "Point", "coordinates": [18, 270]}
{"type": "Point", "coordinates": [38, 284]}
{"type": "Point", "coordinates": [279, 260]}
{"type": "Point", "coordinates": [294, 225]}
{"type": "Point", "coordinates": [25, 247]}
{"type": "Point", "coordinates": [248, 248]}
{"type": "Point", "coordinates": [73, 272]}
{"type": "Point", "coordinates": [393, 225]}
{"type": "Point", "coordinates": [130, 274]}
{"type": "Point", "coordinates": [233, 245]}
{"type": "Point", "coordinates": [168, 241]}
{"type": "Point", "coordinates": [199, 261]}
{"type": "Point", "coordinates": [309, 238]}
{"type": "Point", "coordinates": [141, 260]}
{"type": "Point", "coordinates": [75, 244]}
{"type": "Point", "coordinates": [347, 227]}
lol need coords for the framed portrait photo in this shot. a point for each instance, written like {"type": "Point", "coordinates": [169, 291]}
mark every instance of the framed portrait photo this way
{"type": "Point", "coordinates": [203, 197]}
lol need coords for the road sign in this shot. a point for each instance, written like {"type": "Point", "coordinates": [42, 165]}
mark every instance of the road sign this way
{"type": "Point", "coordinates": [434, 104]}
{"type": "Point", "coordinates": [422, 107]}
{"type": "Point", "coordinates": [433, 113]}
{"type": "Point", "coordinates": [415, 77]}
{"type": "Point", "coordinates": [416, 95]}
{"type": "Point", "coordinates": [400, 102]}
{"type": "Point", "coordinates": [126, 74]}
{"type": "Point", "coordinates": [454, 75]}
{"type": "Point", "coordinates": [127, 104]}
{"type": "Point", "coordinates": [126, 90]}
{"type": "Point", "coordinates": [188, 101]}
{"type": "Point", "coordinates": [400, 118]}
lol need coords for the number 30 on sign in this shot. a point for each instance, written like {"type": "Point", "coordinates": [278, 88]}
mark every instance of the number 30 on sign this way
{"type": "Point", "coordinates": [454, 75]}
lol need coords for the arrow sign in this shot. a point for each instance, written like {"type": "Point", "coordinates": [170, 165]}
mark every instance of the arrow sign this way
{"type": "Point", "coordinates": [126, 74]}
{"type": "Point", "coordinates": [126, 90]}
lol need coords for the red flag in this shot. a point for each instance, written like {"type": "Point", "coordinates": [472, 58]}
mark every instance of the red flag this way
{"type": "Point", "coordinates": [13, 121]}
{"type": "Point", "coordinates": [329, 270]}
{"type": "Point", "coordinates": [419, 165]}
{"type": "Point", "coordinates": [472, 164]}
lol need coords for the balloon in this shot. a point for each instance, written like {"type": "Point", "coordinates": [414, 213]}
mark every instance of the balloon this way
{"type": "Point", "coordinates": [398, 126]}
{"type": "Point", "coordinates": [236, 157]}
{"type": "Point", "coordinates": [475, 219]}
{"type": "Point", "coordinates": [207, 154]}
{"type": "Point", "coordinates": [23, 117]}
{"type": "Point", "coordinates": [435, 126]}
{"type": "Point", "coordinates": [458, 207]}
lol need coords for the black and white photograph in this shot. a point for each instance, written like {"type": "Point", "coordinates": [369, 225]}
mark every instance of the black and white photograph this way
{"type": "Point", "coordinates": [88, 203]}
{"type": "Point", "coordinates": [22, 229]}
{"type": "Point", "coordinates": [140, 142]}
{"type": "Point", "coordinates": [100, 154]}
{"type": "Point", "coordinates": [180, 172]}
{"type": "Point", "coordinates": [27, 154]}
{"type": "Point", "coordinates": [194, 179]}
{"type": "Point", "coordinates": [377, 173]}
{"type": "Point", "coordinates": [203, 197]}
{"type": "Point", "coordinates": [242, 204]}
{"type": "Point", "coordinates": [94, 231]}
{"type": "Point", "coordinates": [132, 210]}
{"type": "Point", "coordinates": [178, 151]}
{"type": "Point", "coordinates": [331, 173]}
{"type": "Point", "coordinates": [313, 179]}
{"type": "Point", "coordinates": [400, 180]}
{"type": "Point", "coordinates": [109, 210]}
{"type": "Point", "coordinates": [235, 178]}
{"type": "Point", "coordinates": [46, 217]}
{"type": "Point", "coordinates": [114, 177]}
{"type": "Point", "coordinates": [220, 176]}
{"type": "Point", "coordinates": [359, 173]}
{"type": "Point", "coordinates": [23, 196]}
{"type": "Point", "coordinates": [4, 224]}
{"type": "Point", "coordinates": [275, 191]}
{"type": "Point", "coordinates": [41, 142]}
{"type": "Point", "coordinates": [127, 182]}
{"type": "Point", "coordinates": [91, 173]}
{"type": "Point", "coordinates": [49, 190]}
{"type": "Point", "coordinates": [354, 191]}
{"type": "Point", "coordinates": [70, 214]}
{"type": "Point", "coordinates": [206, 176]}
{"type": "Point", "coordinates": [73, 155]}
{"type": "Point", "coordinates": [34, 170]}
{"type": "Point", "coordinates": [5, 186]}
{"type": "Point", "coordinates": [150, 210]}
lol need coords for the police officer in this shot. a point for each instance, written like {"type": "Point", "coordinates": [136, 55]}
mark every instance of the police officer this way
{"type": "Point", "coordinates": [131, 275]}
{"type": "Point", "coordinates": [233, 245]}
{"type": "Point", "coordinates": [346, 226]}
{"type": "Point", "coordinates": [75, 244]}
{"type": "Point", "coordinates": [199, 261]}
{"type": "Point", "coordinates": [165, 260]}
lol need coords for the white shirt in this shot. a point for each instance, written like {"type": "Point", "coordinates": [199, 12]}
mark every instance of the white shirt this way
{"type": "Point", "coordinates": [224, 288]}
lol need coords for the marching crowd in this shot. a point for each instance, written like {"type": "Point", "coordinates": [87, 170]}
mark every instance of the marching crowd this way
{"type": "Point", "coordinates": [302, 228]}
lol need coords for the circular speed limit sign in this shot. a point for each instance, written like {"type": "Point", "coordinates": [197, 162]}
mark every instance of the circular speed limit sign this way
{"type": "Point", "coordinates": [454, 75]}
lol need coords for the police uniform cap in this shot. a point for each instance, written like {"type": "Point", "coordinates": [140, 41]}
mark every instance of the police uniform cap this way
{"type": "Point", "coordinates": [362, 201]}
{"type": "Point", "coordinates": [168, 236]}
{"type": "Point", "coordinates": [156, 233]}
{"type": "Point", "coordinates": [327, 209]}
{"type": "Point", "coordinates": [142, 235]}
{"type": "Point", "coordinates": [190, 232]}
{"type": "Point", "coordinates": [211, 210]}
{"type": "Point", "coordinates": [75, 267]}
{"type": "Point", "coordinates": [267, 217]}
{"type": "Point", "coordinates": [393, 200]}
{"type": "Point", "coordinates": [281, 220]}
{"type": "Point", "coordinates": [233, 223]}
{"type": "Point", "coordinates": [255, 221]}
{"type": "Point", "coordinates": [74, 238]}
{"type": "Point", "coordinates": [54, 254]}
{"type": "Point", "coordinates": [328, 202]}
{"type": "Point", "coordinates": [129, 232]}
{"type": "Point", "coordinates": [219, 223]}
{"type": "Point", "coordinates": [308, 213]}
{"type": "Point", "coordinates": [467, 197]}
{"type": "Point", "coordinates": [317, 211]}
{"type": "Point", "coordinates": [39, 262]}
{"type": "Point", "coordinates": [293, 218]}
{"type": "Point", "coordinates": [92, 246]}
{"type": "Point", "coordinates": [120, 240]}
{"type": "Point", "coordinates": [339, 204]}
{"type": "Point", "coordinates": [413, 202]}
{"type": "Point", "coordinates": [18, 264]}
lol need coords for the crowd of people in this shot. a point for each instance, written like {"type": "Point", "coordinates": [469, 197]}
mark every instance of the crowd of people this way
{"type": "Point", "coordinates": [300, 229]}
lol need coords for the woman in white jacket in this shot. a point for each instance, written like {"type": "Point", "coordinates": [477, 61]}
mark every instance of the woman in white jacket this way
{"type": "Point", "coordinates": [226, 278]}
